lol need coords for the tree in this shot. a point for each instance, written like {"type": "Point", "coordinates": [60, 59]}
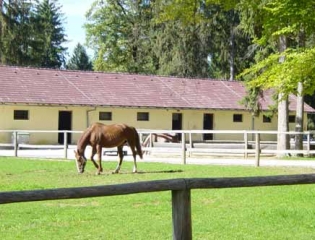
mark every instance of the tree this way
{"type": "Point", "coordinates": [225, 46]}
{"type": "Point", "coordinates": [50, 34]}
{"type": "Point", "coordinates": [118, 31]}
{"type": "Point", "coordinates": [79, 60]}
{"type": "Point", "coordinates": [31, 33]}
{"type": "Point", "coordinates": [283, 21]}
{"type": "Point", "coordinates": [181, 50]}
{"type": "Point", "coordinates": [16, 33]}
{"type": "Point", "coordinates": [183, 38]}
{"type": "Point", "coordinates": [229, 46]}
{"type": "Point", "coordinates": [180, 44]}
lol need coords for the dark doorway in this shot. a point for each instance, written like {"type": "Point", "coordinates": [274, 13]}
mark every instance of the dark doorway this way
{"type": "Point", "coordinates": [65, 118]}
{"type": "Point", "coordinates": [208, 125]}
{"type": "Point", "coordinates": [177, 123]}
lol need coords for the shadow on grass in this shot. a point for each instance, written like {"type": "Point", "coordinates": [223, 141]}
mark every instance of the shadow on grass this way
{"type": "Point", "coordinates": [149, 172]}
{"type": "Point", "coordinates": [165, 171]}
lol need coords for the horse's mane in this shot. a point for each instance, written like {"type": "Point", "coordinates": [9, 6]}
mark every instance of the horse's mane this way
{"type": "Point", "coordinates": [83, 140]}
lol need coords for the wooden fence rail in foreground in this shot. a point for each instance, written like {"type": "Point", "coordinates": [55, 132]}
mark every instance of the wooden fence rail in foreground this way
{"type": "Point", "coordinates": [180, 188]}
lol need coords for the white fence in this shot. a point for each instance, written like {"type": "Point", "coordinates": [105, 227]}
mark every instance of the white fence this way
{"type": "Point", "coordinates": [187, 147]}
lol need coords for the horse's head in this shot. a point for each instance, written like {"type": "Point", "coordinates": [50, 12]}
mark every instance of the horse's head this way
{"type": "Point", "coordinates": [80, 161]}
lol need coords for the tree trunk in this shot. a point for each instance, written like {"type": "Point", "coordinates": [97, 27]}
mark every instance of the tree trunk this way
{"type": "Point", "coordinates": [283, 106]}
{"type": "Point", "coordinates": [232, 47]}
{"type": "Point", "coordinates": [283, 139]}
{"type": "Point", "coordinates": [299, 118]}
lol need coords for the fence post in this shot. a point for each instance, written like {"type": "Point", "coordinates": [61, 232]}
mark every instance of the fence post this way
{"type": "Point", "coordinates": [151, 141]}
{"type": "Point", "coordinates": [183, 149]}
{"type": "Point", "coordinates": [190, 144]}
{"type": "Point", "coordinates": [15, 143]}
{"type": "Point", "coordinates": [65, 144]}
{"type": "Point", "coordinates": [308, 144]}
{"type": "Point", "coordinates": [245, 145]}
{"type": "Point", "coordinates": [181, 213]}
{"type": "Point", "coordinates": [257, 148]}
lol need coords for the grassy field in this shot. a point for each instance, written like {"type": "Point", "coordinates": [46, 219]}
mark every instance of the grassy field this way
{"type": "Point", "coordinates": [283, 212]}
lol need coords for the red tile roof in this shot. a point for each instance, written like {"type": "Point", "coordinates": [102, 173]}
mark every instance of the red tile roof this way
{"type": "Point", "coordinates": [60, 87]}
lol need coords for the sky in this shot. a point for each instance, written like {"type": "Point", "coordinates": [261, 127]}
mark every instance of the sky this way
{"type": "Point", "coordinates": [74, 11]}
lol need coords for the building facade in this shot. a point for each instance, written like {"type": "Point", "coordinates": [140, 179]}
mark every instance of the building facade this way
{"type": "Point", "coordinates": [44, 99]}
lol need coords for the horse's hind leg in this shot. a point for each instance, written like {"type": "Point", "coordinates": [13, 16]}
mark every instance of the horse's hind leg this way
{"type": "Point", "coordinates": [134, 154]}
{"type": "Point", "coordinates": [121, 156]}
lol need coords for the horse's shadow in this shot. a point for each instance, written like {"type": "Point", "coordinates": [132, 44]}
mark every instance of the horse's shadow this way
{"type": "Point", "coordinates": [144, 172]}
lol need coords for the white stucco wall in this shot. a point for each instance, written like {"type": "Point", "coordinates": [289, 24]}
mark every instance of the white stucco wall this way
{"type": "Point", "coordinates": [46, 118]}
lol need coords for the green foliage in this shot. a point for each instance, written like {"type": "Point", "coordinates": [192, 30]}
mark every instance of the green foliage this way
{"type": "Point", "coordinates": [79, 60]}
{"type": "Point", "coordinates": [251, 101]}
{"type": "Point", "coordinates": [218, 48]}
{"type": "Point", "coordinates": [269, 21]}
{"type": "Point", "coordinates": [118, 31]}
{"type": "Point", "coordinates": [277, 25]}
{"type": "Point", "coordinates": [182, 38]}
{"type": "Point", "coordinates": [182, 51]}
{"type": "Point", "coordinates": [31, 33]}
{"type": "Point", "coordinates": [49, 34]}
{"type": "Point", "coordinates": [297, 67]}
{"type": "Point", "coordinates": [16, 32]}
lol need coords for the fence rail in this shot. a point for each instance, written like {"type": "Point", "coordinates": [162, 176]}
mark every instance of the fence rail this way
{"type": "Point", "coordinates": [186, 147]}
{"type": "Point", "coordinates": [180, 189]}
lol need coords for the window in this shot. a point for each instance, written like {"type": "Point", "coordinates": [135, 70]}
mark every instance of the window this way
{"type": "Point", "coordinates": [143, 116]}
{"type": "Point", "coordinates": [237, 118]}
{"type": "Point", "coordinates": [266, 119]}
{"type": "Point", "coordinates": [291, 119]}
{"type": "Point", "coordinates": [105, 116]}
{"type": "Point", "coordinates": [20, 115]}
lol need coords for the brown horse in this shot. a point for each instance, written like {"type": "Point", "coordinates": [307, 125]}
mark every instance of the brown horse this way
{"type": "Point", "coordinates": [99, 135]}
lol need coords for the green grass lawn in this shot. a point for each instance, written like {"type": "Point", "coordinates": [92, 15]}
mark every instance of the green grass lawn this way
{"type": "Point", "coordinates": [282, 212]}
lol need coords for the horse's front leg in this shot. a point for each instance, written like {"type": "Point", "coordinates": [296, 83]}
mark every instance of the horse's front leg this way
{"type": "Point", "coordinates": [99, 153]}
{"type": "Point", "coordinates": [121, 156]}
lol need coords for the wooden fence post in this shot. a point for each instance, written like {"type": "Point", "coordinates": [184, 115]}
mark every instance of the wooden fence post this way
{"type": "Point", "coordinates": [183, 149]}
{"type": "Point", "coordinates": [257, 148]}
{"type": "Point", "coordinates": [245, 145]}
{"type": "Point", "coordinates": [181, 213]}
{"type": "Point", "coordinates": [151, 141]}
{"type": "Point", "coordinates": [308, 147]}
{"type": "Point", "coordinates": [15, 143]}
{"type": "Point", "coordinates": [190, 144]}
{"type": "Point", "coordinates": [65, 144]}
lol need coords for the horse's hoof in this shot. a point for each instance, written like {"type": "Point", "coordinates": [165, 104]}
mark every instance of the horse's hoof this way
{"type": "Point", "coordinates": [97, 173]}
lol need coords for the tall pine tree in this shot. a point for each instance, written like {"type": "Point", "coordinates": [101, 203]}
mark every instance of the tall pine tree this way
{"type": "Point", "coordinates": [50, 34]}
{"type": "Point", "coordinates": [31, 34]}
{"type": "Point", "coordinates": [16, 34]}
{"type": "Point", "coordinates": [79, 60]}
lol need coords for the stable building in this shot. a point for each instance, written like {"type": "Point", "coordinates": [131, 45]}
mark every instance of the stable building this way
{"type": "Point", "coordinates": [48, 99]}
